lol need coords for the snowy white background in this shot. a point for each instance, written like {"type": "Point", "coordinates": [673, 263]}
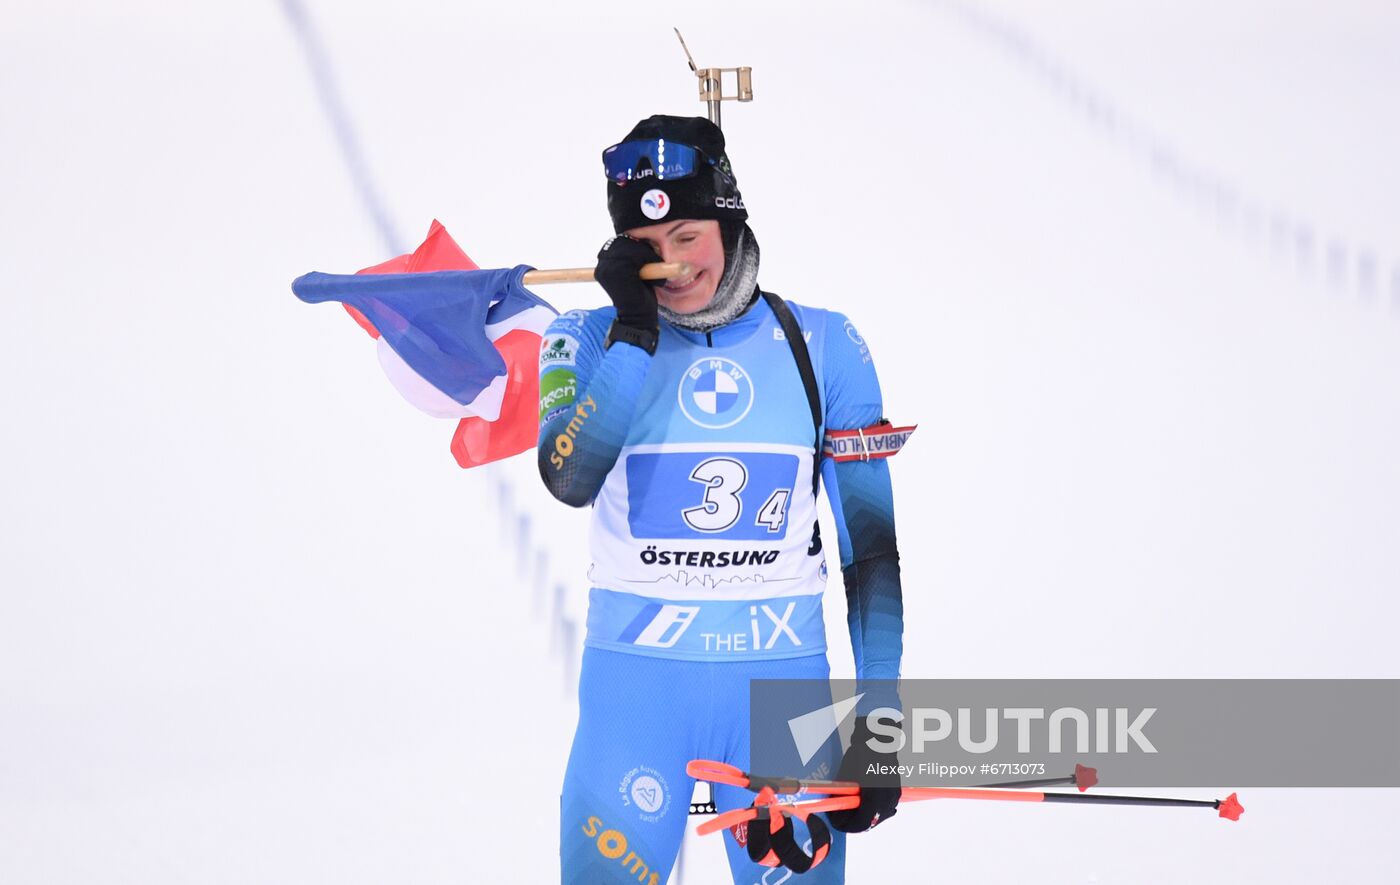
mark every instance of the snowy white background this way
{"type": "Point", "coordinates": [257, 627]}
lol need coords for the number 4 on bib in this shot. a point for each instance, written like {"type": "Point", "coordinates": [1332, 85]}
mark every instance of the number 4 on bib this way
{"type": "Point", "coordinates": [774, 510]}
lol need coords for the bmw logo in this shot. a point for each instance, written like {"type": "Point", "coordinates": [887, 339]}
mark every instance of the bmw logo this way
{"type": "Point", "coordinates": [715, 392]}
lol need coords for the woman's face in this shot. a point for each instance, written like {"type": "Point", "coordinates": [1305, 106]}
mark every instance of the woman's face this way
{"type": "Point", "coordinates": [698, 244]}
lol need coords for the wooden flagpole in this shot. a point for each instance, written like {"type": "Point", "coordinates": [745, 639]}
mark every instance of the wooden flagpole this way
{"type": "Point", "coordinates": [655, 271]}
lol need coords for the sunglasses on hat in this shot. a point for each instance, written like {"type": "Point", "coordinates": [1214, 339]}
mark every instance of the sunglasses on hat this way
{"type": "Point", "coordinates": [656, 158]}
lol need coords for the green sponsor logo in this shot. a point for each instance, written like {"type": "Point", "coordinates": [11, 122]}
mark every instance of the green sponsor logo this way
{"type": "Point", "coordinates": [556, 390]}
{"type": "Point", "coordinates": [559, 350]}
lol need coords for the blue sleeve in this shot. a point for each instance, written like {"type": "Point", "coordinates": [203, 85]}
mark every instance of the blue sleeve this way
{"type": "Point", "coordinates": [587, 398]}
{"type": "Point", "coordinates": [862, 501]}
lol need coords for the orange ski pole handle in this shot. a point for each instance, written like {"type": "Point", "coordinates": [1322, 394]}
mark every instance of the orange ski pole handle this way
{"type": "Point", "coordinates": [717, 772]}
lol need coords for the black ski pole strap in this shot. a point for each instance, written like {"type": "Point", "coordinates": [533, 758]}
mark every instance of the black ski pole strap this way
{"type": "Point", "coordinates": [780, 848]}
{"type": "Point", "coordinates": [798, 345]}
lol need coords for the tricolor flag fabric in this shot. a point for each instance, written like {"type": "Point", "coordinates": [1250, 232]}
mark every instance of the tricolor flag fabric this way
{"type": "Point", "coordinates": [455, 340]}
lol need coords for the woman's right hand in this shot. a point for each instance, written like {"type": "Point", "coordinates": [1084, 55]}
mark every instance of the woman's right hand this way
{"type": "Point", "coordinates": [619, 273]}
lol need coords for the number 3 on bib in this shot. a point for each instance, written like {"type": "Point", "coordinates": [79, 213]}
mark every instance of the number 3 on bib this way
{"type": "Point", "coordinates": [724, 479]}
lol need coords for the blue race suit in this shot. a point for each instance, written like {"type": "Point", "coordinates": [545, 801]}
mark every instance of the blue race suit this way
{"type": "Point", "coordinates": [706, 571]}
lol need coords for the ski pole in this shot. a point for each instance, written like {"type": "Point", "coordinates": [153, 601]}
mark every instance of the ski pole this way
{"type": "Point", "coordinates": [1084, 777]}
{"type": "Point", "coordinates": [1229, 807]}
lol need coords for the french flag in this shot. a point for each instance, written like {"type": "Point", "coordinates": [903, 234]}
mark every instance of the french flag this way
{"type": "Point", "coordinates": [455, 340]}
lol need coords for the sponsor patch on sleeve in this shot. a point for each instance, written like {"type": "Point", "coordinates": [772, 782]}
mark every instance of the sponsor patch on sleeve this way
{"type": "Point", "coordinates": [558, 350]}
{"type": "Point", "coordinates": [876, 441]}
{"type": "Point", "coordinates": [557, 391]}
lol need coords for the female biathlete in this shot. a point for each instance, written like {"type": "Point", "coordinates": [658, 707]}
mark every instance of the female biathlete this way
{"type": "Point", "coordinates": [692, 423]}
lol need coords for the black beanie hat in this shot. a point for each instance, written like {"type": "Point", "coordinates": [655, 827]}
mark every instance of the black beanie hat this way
{"type": "Point", "coordinates": [712, 192]}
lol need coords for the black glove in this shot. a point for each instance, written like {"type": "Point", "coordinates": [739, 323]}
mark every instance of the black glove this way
{"type": "Point", "coordinates": [879, 793]}
{"type": "Point", "coordinates": [781, 849]}
{"type": "Point", "coordinates": [618, 272]}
